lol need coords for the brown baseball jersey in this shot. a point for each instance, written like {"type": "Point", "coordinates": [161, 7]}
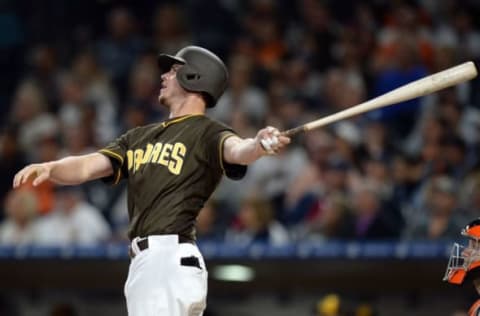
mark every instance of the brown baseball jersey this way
{"type": "Point", "coordinates": [172, 168]}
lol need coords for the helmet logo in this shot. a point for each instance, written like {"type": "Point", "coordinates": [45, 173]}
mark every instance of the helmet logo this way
{"type": "Point", "coordinates": [193, 76]}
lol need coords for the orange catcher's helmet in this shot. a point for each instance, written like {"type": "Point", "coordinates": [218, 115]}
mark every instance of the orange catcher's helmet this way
{"type": "Point", "coordinates": [464, 258]}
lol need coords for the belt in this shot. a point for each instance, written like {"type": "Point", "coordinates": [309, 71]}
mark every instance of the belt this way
{"type": "Point", "coordinates": [142, 244]}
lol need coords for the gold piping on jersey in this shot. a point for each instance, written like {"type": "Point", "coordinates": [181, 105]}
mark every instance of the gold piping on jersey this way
{"type": "Point", "coordinates": [179, 119]}
{"type": "Point", "coordinates": [116, 156]}
{"type": "Point", "coordinates": [112, 153]}
{"type": "Point", "coordinates": [117, 178]}
{"type": "Point", "coordinates": [220, 148]}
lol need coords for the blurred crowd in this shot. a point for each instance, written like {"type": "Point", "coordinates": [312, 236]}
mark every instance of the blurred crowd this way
{"type": "Point", "coordinates": [74, 82]}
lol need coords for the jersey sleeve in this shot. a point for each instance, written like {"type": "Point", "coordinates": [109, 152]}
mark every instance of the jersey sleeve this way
{"type": "Point", "coordinates": [116, 151]}
{"type": "Point", "coordinates": [216, 140]}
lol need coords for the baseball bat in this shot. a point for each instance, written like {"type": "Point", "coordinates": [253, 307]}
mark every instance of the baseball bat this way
{"type": "Point", "coordinates": [438, 81]}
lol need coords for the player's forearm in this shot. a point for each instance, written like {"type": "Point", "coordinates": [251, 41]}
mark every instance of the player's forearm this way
{"type": "Point", "coordinates": [69, 170]}
{"type": "Point", "coordinates": [243, 151]}
{"type": "Point", "coordinates": [77, 169]}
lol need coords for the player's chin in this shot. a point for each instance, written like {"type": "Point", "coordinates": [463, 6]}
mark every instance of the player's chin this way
{"type": "Point", "coordinates": [162, 100]}
{"type": "Point", "coordinates": [161, 96]}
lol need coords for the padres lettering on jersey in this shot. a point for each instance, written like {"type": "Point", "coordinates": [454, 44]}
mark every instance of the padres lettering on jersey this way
{"type": "Point", "coordinates": [171, 168]}
{"type": "Point", "coordinates": [168, 155]}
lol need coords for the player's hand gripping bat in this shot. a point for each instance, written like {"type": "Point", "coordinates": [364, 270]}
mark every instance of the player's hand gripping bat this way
{"type": "Point", "coordinates": [438, 81]}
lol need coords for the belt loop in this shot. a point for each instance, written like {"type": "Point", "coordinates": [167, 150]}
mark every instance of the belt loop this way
{"type": "Point", "coordinates": [135, 248]}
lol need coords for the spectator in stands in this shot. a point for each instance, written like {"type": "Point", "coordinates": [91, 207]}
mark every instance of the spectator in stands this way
{"type": "Point", "coordinates": [333, 219]}
{"type": "Point", "coordinates": [431, 149]}
{"type": "Point", "coordinates": [263, 26]}
{"type": "Point", "coordinates": [337, 179]}
{"type": "Point", "coordinates": [442, 219]}
{"type": "Point", "coordinates": [460, 34]}
{"type": "Point", "coordinates": [315, 210]}
{"type": "Point", "coordinates": [370, 220]}
{"type": "Point", "coordinates": [241, 94]}
{"type": "Point", "coordinates": [29, 113]}
{"type": "Point", "coordinates": [209, 225]}
{"type": "Point", "coordinates": [256, 223]}
{"type": "Point", "coordinates": [119, 49]}
{"type": "Point", "coordinates": [99, 92]}
{"type": "Point", "coordinates": [135, 115]}
{"type": "Point", "coordinates": [46, 73]}
{"type": "Point", "coordinates": [406, 67]}
{"type": "Point", "coordinates": [143, 93]}
{"type": "Point", "coordinates": [377, 174]}
{"type": "Point", "coordinates": [77, 140]}
{"type": "Point", "coordinates": [289, 111]}
{"type": "Point", "coordinates": [170, 32]}
{"type": "Point", "coordinates": [347, 141]}
{"type": "Point", "coordinates": [75, 109]}
{"type": "Point", "coordinates": [300, 81]}
{"type": "Point", "coordinates": [403, 21]}
{"type": "Point", "coordinates": [12, 159]}
{"type": "Point", "coordinates": [377, 143]}
{"type": "Point", "coordinates": [406, 177]}
{"type": "Point", "coordinates": [470, 195]}
{"type": "Point", "coordinates": [454, 152]}
{"type": "Point", "coordinates": [319, 146]}
{"type": "Point", "coordinates": [317, 22]}
{"type": "Point", "coordinates": [19, 228]}
{"type": "Point", "coordinates": [460, 118]}
{"type": "Point", "coordinates": [74, 222]}
{"type": "Point", "coordinates": [309, 183]}
{"type": "Point", "coordinates": [342, 89]}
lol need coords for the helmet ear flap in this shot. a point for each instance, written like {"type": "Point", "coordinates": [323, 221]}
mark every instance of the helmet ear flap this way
{"type": "Point", "coordinates": [188, 77]}
{"type": "Point", "coordinates": [192, 80]}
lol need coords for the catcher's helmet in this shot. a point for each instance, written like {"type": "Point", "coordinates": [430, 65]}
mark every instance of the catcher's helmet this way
{"type": "Point", "coordinates": [203, 71]}
{"type": "Point", "coordinates": [465, 259]}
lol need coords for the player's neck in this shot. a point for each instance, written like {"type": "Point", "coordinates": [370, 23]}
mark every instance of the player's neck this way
{"type": "Point", "coordinates": [190, 105]}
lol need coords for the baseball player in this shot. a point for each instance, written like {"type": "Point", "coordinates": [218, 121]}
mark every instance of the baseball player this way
{"type": "Point", "coordinates": [172, 168]}
{"type": "Point", "coordinates": [464, 262]}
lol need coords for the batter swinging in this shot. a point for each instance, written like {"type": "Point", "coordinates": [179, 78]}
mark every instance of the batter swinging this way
{"type": "Point", "coordinates": [172, 168]}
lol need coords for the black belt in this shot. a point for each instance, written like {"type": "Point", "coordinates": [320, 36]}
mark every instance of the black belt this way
{"type": "Point", "coordinates": [142, 244]}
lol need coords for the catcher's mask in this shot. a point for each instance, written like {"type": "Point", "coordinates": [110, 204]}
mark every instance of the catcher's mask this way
{"type": "Point", "coordinates": [464, 258]}
{"type": "Point", "coordinates": [203, 72]}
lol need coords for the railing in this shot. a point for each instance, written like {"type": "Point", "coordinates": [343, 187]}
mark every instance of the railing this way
{"type": "Point", "coordinates": [310, 266]}
{"type": "Point", "coordinates": [348, 250]}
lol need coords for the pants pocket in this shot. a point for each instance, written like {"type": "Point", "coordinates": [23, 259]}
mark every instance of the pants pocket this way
{"type": "Point", "coordinates": [191, 261]}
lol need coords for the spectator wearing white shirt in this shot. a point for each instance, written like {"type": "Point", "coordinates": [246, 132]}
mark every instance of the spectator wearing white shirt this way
{"type": "Point", "coordinates": [21, 207]}
{"type": "Point", "coordinates": [74, 222]}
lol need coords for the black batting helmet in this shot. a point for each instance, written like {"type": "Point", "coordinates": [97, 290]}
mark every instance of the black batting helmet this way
{"type": "Point", "coordinates": [203, 71]}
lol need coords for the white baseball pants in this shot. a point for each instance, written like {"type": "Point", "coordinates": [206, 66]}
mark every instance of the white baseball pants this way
{"type": "Point", "coordinates": [158, 284]}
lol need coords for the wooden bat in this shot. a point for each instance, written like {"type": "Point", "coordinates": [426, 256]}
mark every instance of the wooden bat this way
{"type": "Point", "coordinates": [438, 81]}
